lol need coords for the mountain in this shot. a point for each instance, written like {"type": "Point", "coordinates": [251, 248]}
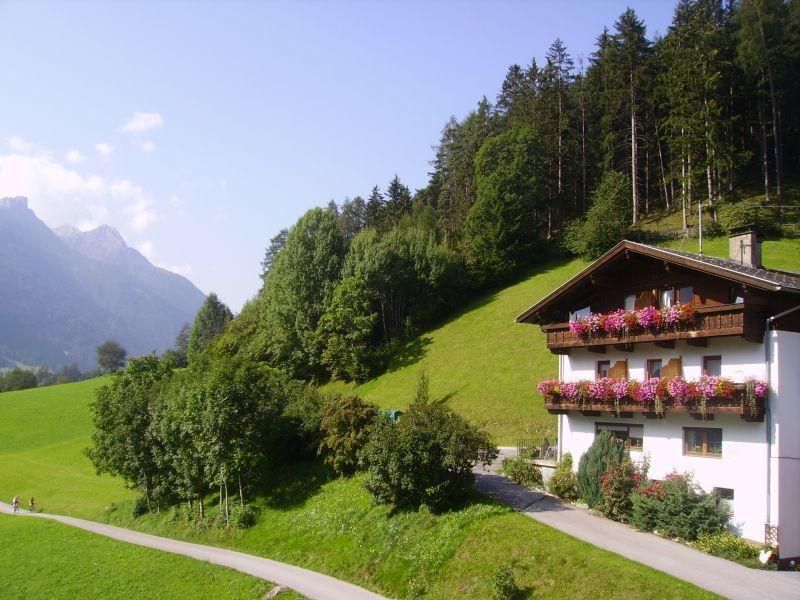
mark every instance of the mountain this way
{"type": "Point", "coordinates": [62, 294]}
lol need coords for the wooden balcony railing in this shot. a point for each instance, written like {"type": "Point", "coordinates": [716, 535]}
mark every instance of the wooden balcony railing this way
{"type": "Point", "coordinates": [749, 410]}
{"type": "Point", "coordinates": [709, 321]}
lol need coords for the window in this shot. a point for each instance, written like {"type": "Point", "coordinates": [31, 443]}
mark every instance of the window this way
{"type": "Point", "coordinates": [653, 368]}
{"type": "Point", "coordinates": [603, 367]}
{"type": "Point", "coordinates": [580, 313]}
{"type": "Point", "coordinates": [702, 441]}
{"type": "Point", "coordinates": [631, 436]}
{"type": "Point", "coordinates": [735, 295]}
{"type": "Point", "coordinates": [712, 365]}
{"type": "Point", "coordinates": [630, 302]}
{"type": "Point", "coordinates": [667, 297]}
{"type": "Point", "coordinates": [686, 295]}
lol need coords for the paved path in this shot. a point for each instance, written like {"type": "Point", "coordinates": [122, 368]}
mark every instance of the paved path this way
{"type": "Point", "coordinates": [309, 583]}
{"type": "Point", "coordinates": [717, 575]}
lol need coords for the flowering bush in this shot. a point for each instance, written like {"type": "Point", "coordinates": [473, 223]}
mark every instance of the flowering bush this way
{"type": "Point", "coordinates": [670, 391]}
{"type": "Point", "coordinates": [623, 323]}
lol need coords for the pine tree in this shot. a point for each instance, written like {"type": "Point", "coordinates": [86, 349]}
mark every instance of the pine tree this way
{"type": "Point", "coordinates": [373, 213]}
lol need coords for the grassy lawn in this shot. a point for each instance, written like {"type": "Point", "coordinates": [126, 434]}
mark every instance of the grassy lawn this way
{"type": "Point", "coordinates": [306, 519]}
{"type": "Point", "coordinates": [44, 559]}
{"type": "Point", "coordinates": [44, 434]}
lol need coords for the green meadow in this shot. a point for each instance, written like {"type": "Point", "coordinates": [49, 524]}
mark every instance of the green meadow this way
{"type": "Point", "coordinates": [45, 559]}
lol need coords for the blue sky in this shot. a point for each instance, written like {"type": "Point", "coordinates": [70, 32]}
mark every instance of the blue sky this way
{"type": "Point", "coordinates": [199, 130]}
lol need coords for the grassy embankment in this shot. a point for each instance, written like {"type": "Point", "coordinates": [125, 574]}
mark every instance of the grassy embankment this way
{"type": "Point", "coordinates": [44, 559]}
{"type": "Point", "coordinates": [309, 520]}
{"type": "Point", "coordinates": [488, 366]}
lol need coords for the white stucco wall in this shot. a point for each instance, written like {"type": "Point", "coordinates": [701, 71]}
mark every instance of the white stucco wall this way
{"type": "Point", "coordinates": [784, 416]}
{"type": "Point", "coordinates": [743, 465]}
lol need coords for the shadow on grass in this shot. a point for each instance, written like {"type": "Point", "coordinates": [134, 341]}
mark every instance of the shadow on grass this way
{"type": "Point", "coordinates": [291, 486]}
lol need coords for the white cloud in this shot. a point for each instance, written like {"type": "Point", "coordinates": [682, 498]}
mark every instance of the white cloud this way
{"type": "Point", "coordinates": [148, 251]}
{"type": "Point", "coordinates": [74, 156]}
{"type": "Point", "coordinates": [147, 146]}
{"type": "Point", "coordinates": [141, 122]}
{"type": "Point", "coordinates": [18, 144]}
{"type": "Point", "coordinates": [60, 195]}
{"type": "Point", "coordinates": [103, 149]}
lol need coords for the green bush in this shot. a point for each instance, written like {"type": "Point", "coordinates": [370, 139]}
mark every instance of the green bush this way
{"type": "Point", "coordinates": [346, 426]}
{"type": "Point", "coordinates": [731, 216]}
{"type": "Point", "coordinates": [242, 517]}
{"type": "Point", "coordinates": [504, 586]}
{"type": "Point", "coordinates": [726, 545]}
{"type": "Point", "coordinates": [523, 471]}
{"type": "Point", "coordinates": [677, 508]}
{"type": "Point", "coordinates": [303, 414]}
{"type": "Point", "coordinates": [139, 506]}
{"type": "Point", "coordinates": [426, 458]}
{"type": "Point", "coordinates": [563, 483]}
{"type": "Point", "coordinates": [604, 453]}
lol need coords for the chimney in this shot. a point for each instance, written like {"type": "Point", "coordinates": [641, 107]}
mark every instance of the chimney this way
{"type": "Point", "coordinates": [745, 247]}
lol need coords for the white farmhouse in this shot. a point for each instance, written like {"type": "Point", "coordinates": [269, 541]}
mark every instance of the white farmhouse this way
{"type": "Point", "coordinates": [703, 324]}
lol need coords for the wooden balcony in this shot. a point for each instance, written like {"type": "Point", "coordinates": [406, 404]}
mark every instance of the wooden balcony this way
{"type": "Point", "coordinates": [738, 405]}
{"type": "Point", "coordinates": [709, 321]}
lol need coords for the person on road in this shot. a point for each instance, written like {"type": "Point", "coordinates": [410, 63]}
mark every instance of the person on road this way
{"type": "Point", "coordinates": [15, 504]}
{"type": "Point", "coordinates": [32, 505]}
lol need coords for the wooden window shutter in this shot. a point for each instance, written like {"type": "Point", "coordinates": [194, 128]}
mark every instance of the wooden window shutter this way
{"type": "Point", "coordinates": [619, 370]}
{"type": "Point", "coordinates": [645, 299]}
{"type": "Point", "coordinates": [673, 368]}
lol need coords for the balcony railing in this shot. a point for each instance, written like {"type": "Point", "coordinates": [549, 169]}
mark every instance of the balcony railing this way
{"type": "Point", "coordinates": [709, 321]}
{"type": "Point", "coordinates": [749, 408]}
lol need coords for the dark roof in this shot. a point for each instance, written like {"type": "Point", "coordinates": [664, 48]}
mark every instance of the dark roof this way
{"type": "Point", "coordinates": [766, 279]}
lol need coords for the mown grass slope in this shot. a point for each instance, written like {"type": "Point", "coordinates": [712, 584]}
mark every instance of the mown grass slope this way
{"type": "Point", "coordinates": [306, 518]}
{"type": "Point", "coordinates": [44, 559]}
{"type": "Point", "coordinates": [488, 366]}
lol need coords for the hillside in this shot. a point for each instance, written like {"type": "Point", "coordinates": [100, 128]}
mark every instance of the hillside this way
{"type": "Point", "coordinates": [62, 297]}
{"type": "Point", "coordinates": [487, 366]}
{"type": "Point", "coordinates": [306, 518]}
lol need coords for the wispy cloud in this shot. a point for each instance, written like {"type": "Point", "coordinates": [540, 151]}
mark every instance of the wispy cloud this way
{"type": "Point", "coordinates": [74, 156]}
{"type": "Point", "coordinates": [60, 195]}
{"type": "Point", "coordinates": [19, 144]}
{"type": "Point", "coordinates": [142, 122]}
{"type": "Point", "coordinates": [147, 146]}
{"type": "Point", "coordinates": [147, 250]}
{"type": "Point", "coordinates": [103, 149]}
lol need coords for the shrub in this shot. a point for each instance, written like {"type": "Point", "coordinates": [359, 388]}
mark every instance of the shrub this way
{"type": "Point", "coordinates": [504, 586]}
{"type": "Point", "coordinates": [617, 484]}
{"type": "Point", "coordinates": [726, 545]}
{"type": "Point", "coordinates": [677, 508]}
{"type": "Point", "coordinates": [604, 453]}
{"type": "Point", "coordinates": [644, 507]}
{"type": "Point", "coordinates": [426, 458]}
{"type": "Point", "coordinates": [139, 506]}
{"type": "Point", "coordinates": [563, 483]}
{"type": "Point", "coordinates": [523, 471]}
{"type": "Point", "coordinates": [242, 517]}
{"type": "Point", "coordinates": [346, 425]}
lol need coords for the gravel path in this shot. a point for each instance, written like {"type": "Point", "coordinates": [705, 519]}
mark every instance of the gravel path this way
{"type": "Point", "coordinates": [723, 577]}
{"type": "Point", "coordinates": [311, 584]}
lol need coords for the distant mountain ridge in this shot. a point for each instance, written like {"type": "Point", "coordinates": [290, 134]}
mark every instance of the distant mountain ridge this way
{"type": "Point", "coordinates": [64, 292]}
